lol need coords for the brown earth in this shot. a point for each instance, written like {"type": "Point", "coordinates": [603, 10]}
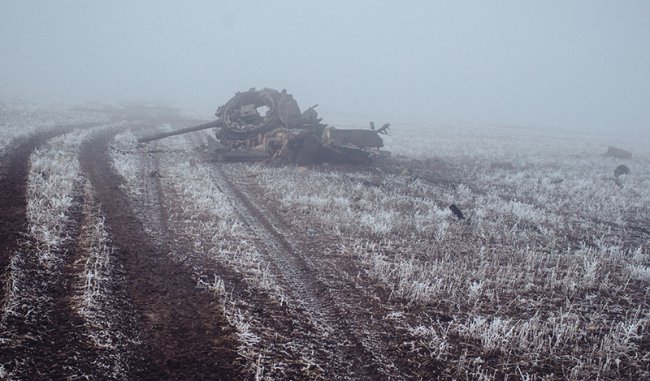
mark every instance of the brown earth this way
{"type": "Point", "coordinates": [48, 334]}
{"type": "Point", "coordinates": [358, 305]}
{"type": "Point", "coordinates": [184, 333]}
{"type": "Point", "coordinates": [182, 329]}
{"type": "Point", "coordinates": [13, 188]}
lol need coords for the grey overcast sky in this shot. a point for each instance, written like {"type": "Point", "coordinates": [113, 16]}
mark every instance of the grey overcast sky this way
{"type": "Point", "coordinates": [534, 63]}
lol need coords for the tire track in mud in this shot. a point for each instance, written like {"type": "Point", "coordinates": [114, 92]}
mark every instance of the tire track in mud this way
{"type": "Point", "coordinates": [352, 358]}
{"type": "Point", "coordinates": [290, 346]}
{"type": "Point", "coordinates": [152, 212]}
{"type": "Point", "coordinates": [240, 294]}
{"type": "Point", "coordinates": [334, 309]}
{"type": "Point", "coordinates": [381, 321]}
{"type": "Point", "coordinates": [109, 338]}
{"type": "Point", "coordinates": [43, 335]}
{"type": "Point", "coordinates": [184, 333]}
{"type": "Point", "coordinates": [13, 195]}
{"type": "Point", "coordinates": [47, 337]}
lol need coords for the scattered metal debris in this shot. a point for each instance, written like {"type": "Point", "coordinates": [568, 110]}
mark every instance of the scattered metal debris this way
{"type": "Point", "coordinates": [267, 125]}
{"type": "Point", "coordinates": [618, 153]}
{"type": "Point", "coordinates": [382, 130]}
{"type": "Point", "coordinates": [621, 170]}
{"type": "Point", "coordinates": [456, 211]}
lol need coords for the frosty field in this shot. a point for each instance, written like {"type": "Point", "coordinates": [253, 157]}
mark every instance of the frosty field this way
{"type": "Point", "coordinates": [127, 261]}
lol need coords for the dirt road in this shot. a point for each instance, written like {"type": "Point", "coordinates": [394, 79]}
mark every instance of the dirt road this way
{"type": "Point", "coordinates": [183, 332]}
{"type": "Point", "coordinates": [173, 266]}
{"type": "Point", "coordinates": [178, 331]}
{"type": "Point", "coordinates": [13, 201]}
{"type": "Point", "coordinates": [165, 326]}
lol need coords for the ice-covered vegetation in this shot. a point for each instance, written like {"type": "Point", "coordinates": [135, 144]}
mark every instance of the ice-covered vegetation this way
{"type": "Point", "coordinates": [210, 212]}
{"type": "Point", "coordinates": [126, 163]}
{"type": "Point", "coordinates": [546, 277]}
{"type": "Point", "coordinates": [54, 182]}
{"type": "Point", "coordinates": [96, 301]}
{"type": "Point", "coordinates": [550, 265]}
{"type": "Point", "coordinates": [65, 236]}
{"type": "Point", "coordinates": [213, 233]}
{"type": "Point", "coordinates": [21, 119]}
{"type": "Point", "coordinates": [548, 269]}
{"type": "Point", "coordinates": [53, 179]}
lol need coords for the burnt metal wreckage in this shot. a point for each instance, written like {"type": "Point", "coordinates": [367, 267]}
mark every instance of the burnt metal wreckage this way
{"type": "Point", "coordinates": [267, 124]}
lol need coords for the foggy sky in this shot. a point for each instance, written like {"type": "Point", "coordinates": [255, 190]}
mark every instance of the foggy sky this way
{"type": "Point", "coordinates": [533, 63]}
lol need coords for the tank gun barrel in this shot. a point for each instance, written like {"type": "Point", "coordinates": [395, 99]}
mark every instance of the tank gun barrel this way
{"type": "Point", "coordinates": [205, 126]}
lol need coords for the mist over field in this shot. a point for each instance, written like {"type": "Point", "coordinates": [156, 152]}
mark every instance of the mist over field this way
{"type": "Point", "coordinates": [499, 230]}
{"type": "Point", "coordinates": [579, 65]}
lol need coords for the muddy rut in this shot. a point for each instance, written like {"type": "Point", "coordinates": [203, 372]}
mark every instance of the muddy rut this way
{"type": "Point", "coordinates": [354, 353]}
{"type": "Point", "coordinates": [351, 358]}
{"type": "Point", "coordinates": [41, 335]}
{"type": "Point", "coordinates": [183, 332]}
{"type": "Point", "coordinates": [173, 329]}
{"type": "Point", "coordinates": [13, 201]}
{"type": "Point", "coordinates": [158, 323]}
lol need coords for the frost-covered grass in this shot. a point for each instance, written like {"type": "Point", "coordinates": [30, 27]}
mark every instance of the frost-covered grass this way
{"type": "Point", "coordinates": [54, 175]}
{"type": "Point", "coordinates": [214, 237]}
{"type": "Point", "coordinates": [215, 216]}
{"type": "Point", "coordinates": [547, 276]}
{"type": "Point", "coordinates": [55, 191]}
{"type": "Point", "coordinates": [106, 325]}
{"type": "Point", "coordinates": [54, 181]}
{"type": "Point", "coordinates": [204, 210]}
{"type": "Point", "coordinates": [19, 119]}
{"type": "Point", "coordinates": [126, 163]}
{"type": "Point", "coordinates": [550, 267]}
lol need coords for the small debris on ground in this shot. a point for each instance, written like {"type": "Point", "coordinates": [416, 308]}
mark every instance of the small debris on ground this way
{"type": "Point", "coordinates": [621, 170]}
{"type": "Point", "coordinates": [456, 211]}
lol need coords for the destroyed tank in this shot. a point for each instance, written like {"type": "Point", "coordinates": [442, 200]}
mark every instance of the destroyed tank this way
{"type": "Point", "coordinates": [267, 124]}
